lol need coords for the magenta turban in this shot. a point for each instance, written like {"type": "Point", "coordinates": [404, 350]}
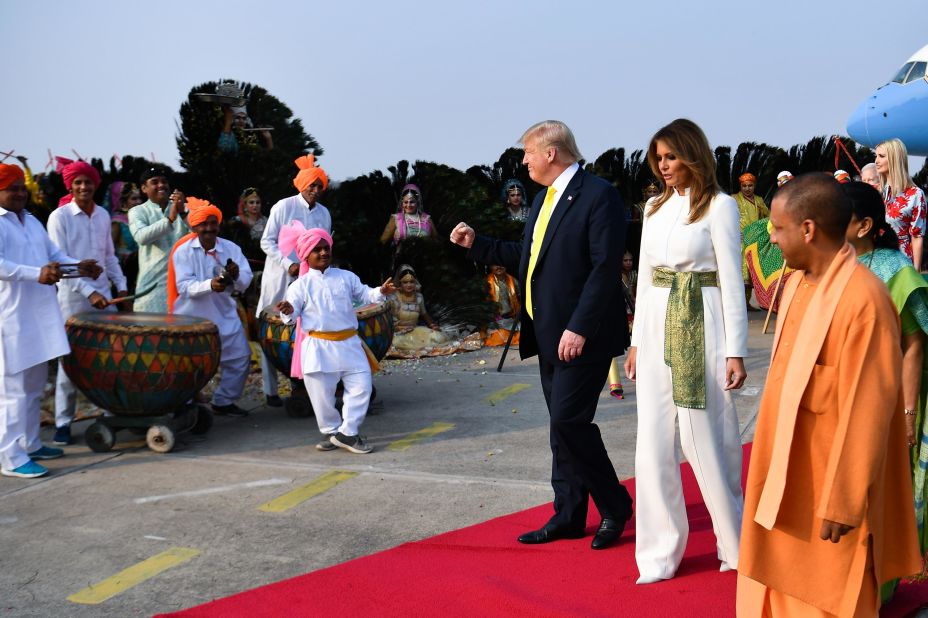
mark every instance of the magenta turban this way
{"type": "Point", "coordinates": [294, 236]}
{"type": "Point", "coordinates": [70, 170]}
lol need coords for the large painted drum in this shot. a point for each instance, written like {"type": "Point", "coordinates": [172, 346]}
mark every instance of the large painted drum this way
{"type": "Point", "coordinates": [140, 364]}
{"type": "Point", "coordinates": [375, 327]}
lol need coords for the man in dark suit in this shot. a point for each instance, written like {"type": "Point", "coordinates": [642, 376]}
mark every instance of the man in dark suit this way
{"type": "Point", "coordinates": [573, 318]}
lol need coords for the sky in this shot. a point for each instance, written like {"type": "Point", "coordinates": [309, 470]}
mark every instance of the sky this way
{"type": "Point", "coordinates": [444, 81]}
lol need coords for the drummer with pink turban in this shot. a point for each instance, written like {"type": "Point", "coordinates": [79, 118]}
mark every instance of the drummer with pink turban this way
{"type": "Point", "coordinates": [81, 227]}
{"type": "Point", "coordinates": [203, 272]}
{"type": "Point", "coordinates": [281, 267]}
{"type": "Point", "coordinates": [752, 208]}
{"type": "Point", "coordinates": [321, 301]}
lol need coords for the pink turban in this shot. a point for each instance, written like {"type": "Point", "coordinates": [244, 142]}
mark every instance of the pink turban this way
{"type": "Point", "coordinates": [296, 237]}
{"type": "Point", "coordinates": [10, 174]}
{"type": "Point", "coordinates": [70, 170]}
{"type": "Point", "coordinates": [309, 173]}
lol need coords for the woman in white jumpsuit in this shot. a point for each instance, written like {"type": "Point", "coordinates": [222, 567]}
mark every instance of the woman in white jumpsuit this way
{"type": "Point", "coordinates": [688, 346]}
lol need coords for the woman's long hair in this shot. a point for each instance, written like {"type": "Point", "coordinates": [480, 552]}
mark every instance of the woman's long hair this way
{"type": "Point", "coordinates": [686, 140]}
{"type": "Point", "coordinates": [897, 177]}
{"type": "Point", "coordinates": [867, 203]}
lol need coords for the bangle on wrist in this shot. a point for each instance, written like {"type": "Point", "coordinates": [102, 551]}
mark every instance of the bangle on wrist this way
{"type": "Point", "coordinates": [909, 412]}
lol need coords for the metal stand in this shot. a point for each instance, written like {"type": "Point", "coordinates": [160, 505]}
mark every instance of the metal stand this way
{"type": "Point", "coordinates": [512, 332]}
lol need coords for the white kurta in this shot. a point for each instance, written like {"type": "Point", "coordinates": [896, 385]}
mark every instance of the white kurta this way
{"type": "Point", "coordinates": [156, 236]}
{"type": "Point", "coordinates": [324, 302]}
{"type": "Point", "coordinates": [276, 277]}
{"type": "Point", "coordinates": [89, 238]}
{"type": "Point", "coordinates": [710, 438]}
{"type": "Point", "coordinates": [194, 270]}
{"type": "Point", "coordinates": [31, 326]}
{"type": "Point", "coordinates": [31, 332]}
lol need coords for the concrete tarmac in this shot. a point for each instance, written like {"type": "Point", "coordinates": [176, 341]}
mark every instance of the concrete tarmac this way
{"type": "Point", "coordinates": [483, 453]}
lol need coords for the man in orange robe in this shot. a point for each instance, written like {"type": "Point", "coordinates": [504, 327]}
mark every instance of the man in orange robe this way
{"type": "Point", "coordinates": [828, 513]}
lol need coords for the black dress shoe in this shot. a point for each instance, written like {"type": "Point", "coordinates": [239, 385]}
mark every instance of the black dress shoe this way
{"type": "Point", "coordinates": [273, 401]}
{"type": "Point", "coordinates": [548, 534]}
{"type": "Point", "coordinates": [609, 532]}
{"type": "Point", "coordinates": [229, 410]}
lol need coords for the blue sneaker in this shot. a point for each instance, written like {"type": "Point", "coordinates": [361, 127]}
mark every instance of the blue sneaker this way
{"type": "Point", "coordinates": [46, 452]}
{"type": "Point", "coordinates": [62, 436]}
{"type": "Point", "coordinates": [28, 470]}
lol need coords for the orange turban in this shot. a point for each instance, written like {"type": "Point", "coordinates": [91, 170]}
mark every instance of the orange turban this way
{"type": "Point", "coordinates": [200, 211]}
{"type": "Point", "coordinates": [743, 178]}
{"type": "Point", "coordinates": [309, 173]}
{"type": "Point", "coordinates": [10, 174]}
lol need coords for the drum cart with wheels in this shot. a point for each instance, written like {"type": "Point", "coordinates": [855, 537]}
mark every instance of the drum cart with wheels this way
{"type": "Point", "coordinates": [143, 368]}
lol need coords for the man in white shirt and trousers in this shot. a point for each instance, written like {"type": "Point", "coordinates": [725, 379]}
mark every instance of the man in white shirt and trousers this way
{"type": "Point", "coordinates": [80, 227]}
{"type": "Point", "coordinates": [281, 270]}
{"type": "Point", "coordinates": [31, 327]}
{"type": "Point", "coordinates": [203, 272]}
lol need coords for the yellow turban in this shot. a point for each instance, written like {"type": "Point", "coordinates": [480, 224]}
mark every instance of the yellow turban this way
{"type": "Point", "coordinates": [309, 173]}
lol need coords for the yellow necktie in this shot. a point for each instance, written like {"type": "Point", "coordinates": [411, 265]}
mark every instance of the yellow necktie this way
{"type": "Point", "coordinates": [538, 235]}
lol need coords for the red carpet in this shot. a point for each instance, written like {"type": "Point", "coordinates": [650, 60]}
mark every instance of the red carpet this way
{"type": "Point", "coordinates": [482, 571]}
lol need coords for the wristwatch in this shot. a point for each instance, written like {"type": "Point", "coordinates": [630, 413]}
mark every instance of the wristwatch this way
{"type": "Point", "coordinates": [909, 412]}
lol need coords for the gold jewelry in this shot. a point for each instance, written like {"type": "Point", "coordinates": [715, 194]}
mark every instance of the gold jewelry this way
{"type": "Point", "coordinates": [909, 412]}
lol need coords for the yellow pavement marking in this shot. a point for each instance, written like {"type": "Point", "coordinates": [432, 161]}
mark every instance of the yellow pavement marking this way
{"type": "Point", "coordinates": [301, 494]}
{"type": "Point", "coordinates": [502, 393]}
{"type": "Point", "coordinates": [134, 575]}
{"type": "Point", "coordinates": [432, 430]}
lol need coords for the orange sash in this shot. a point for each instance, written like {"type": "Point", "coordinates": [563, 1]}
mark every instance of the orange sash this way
{"type": "Point", "coordinates": [344, 335]}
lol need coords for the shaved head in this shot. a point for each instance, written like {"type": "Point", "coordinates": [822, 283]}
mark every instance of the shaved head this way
{"type": "Point", "coordinates": [817, 197]}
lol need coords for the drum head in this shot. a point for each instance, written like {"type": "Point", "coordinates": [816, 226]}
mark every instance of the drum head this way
{"type": "Point", "coordinates": [368, 311]}
{"type": "Point", "coordinates": [140, 320]}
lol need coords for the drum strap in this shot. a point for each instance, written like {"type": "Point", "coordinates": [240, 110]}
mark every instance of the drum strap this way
{"type": "Point", "coordinates": [343, 335]}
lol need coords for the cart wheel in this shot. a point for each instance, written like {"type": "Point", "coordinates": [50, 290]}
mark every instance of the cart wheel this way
{"type": "Point", "coordinates": [298, 407]}
{"type": "Point", "coordinates": [160, 438]}
{"type": "Point", "coordinates": [99, 437]}
{"type": "Point", "coordinates": [204, 421]}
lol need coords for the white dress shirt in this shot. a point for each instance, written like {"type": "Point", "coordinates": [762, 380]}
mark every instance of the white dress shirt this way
{"type": "Point", "coordinates": [276, 275]}
{"type": "Point", "coordinates": [31, 326]}
{"type": "Point", "coordinates": [89, 238]}
{"type": "Point", "coordinates": [324, 302]}
{"type": "Point", "coordinates": [194, 270]}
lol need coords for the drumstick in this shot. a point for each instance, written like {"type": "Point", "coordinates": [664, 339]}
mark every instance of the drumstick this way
{"type": "Point", "coordinates": [773, 300]}
{"type": "Point", "coordinates": [122, 299]}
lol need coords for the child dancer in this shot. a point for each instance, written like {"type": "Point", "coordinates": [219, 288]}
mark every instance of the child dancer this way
{"type": "Point", "coordinates": [328, 349]}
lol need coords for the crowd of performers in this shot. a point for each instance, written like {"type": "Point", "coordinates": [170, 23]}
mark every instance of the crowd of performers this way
{"type": "Point", "coordinates": [841, 443]}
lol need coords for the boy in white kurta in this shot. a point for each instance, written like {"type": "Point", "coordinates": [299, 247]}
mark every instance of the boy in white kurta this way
{"type": "Point", "coordinates": [205, 270]}
{"type": "Point", "coordinates": [31, 328]}
{"type": "Point", "coordinates": [82, 228]}
{"type": "Point", "coordinates": [280, 267]}
{"type": "Point", "coordinates": [331, 350]}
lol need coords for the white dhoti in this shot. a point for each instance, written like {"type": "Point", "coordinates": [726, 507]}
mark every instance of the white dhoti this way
{"type": "Point", "coordinates": [320, 386]}
{"type": "Point", "coordinates": [234, 365]}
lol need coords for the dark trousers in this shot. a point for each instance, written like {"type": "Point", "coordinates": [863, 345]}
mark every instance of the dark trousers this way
{"type": "Point", "coordinates": [580, 465]}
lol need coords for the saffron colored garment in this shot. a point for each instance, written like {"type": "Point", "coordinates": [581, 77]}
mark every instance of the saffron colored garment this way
{"type": "Point", "coordinates": [906, 214]}
{"type": "Point", "coordinates": [710, 438]}
{"type": "Point", "coordinates": [156, 236]}
{"type": "Point", "coordinates": [324, 301]}
{"type": "Point", "coordinates": [88, 237]}
{"type": "Point", "coordinates": [194, 270]}
{"type": "Point", "coordinates": [31, 332]}
{"type": "Point", "coordinates": [829, 445]}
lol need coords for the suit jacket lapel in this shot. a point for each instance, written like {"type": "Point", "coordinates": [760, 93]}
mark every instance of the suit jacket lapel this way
{"type": "Point", "coordinates": [561, 207]}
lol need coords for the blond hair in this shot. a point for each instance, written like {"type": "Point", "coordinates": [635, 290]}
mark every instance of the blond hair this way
{"type": "Point", "coordinates": [687, 141]}
{"type": "Point", "coordinates": [896, 179]}
{"type": "Point", "coordinates": [554, 133]}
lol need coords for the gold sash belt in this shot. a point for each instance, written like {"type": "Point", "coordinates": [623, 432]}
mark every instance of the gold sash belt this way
{"type": "Point", "coordinates": [343, 335]}
{"type": "Point", "coordinates": [684, 334]}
